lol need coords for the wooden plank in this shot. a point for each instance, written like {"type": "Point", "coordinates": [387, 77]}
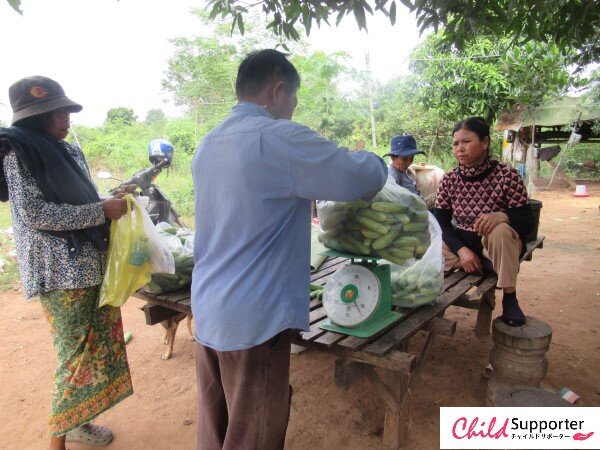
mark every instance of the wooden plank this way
{"type": "Point", "coordinates": [173, 297]}
{"type": "Point", "coordinates": [484, 315]}
{"type": "Point", "coordinates": [316, 315]}
{"type": "Point", "coordinates": [186, 302]}
{"type": "Point", "coordinates": [157, 314]}
{"type": "Point", "coordinates": [308, 336]}
{"type": "Point", "coordinates": [453, 279]}
{"type": "Point", "coordinates": [330, 338]}
{"type": "Point", "coordinates": [314, 303]}
{"type": "Point", "coordinates": [415, 322]}
{"type": "Point", "coordinates": [318, 276]}
{"type": "Point", "coordinates": [531, 246]}
{"type": "Point", "coordinates": [347, 373]}
{"type": "Point", "coordinates": [352, 343]}
{"type": "Point", "coordinates": [393, 389]}
{"type": "Point", "coordinates": [483, 288]}
{"type": "Point", "coordinates": [397, 361]}
{"type": "Point", "coordinates": [175, 306]}
{"type": "Point", "coordinates": [464, 301]}
{"type": "Point", "coordinates": [330, 262]}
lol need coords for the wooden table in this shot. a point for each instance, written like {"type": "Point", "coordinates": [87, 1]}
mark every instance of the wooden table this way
{"type": "Point", "coordinates": [383, 358]}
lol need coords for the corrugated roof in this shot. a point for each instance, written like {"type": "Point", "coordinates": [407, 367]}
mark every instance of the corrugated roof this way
{"type": "Point", "coordinates": [555, 113]}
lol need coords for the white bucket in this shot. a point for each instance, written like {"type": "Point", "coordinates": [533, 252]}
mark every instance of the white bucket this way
{"type": "Point", "coordinates": [581, 190]}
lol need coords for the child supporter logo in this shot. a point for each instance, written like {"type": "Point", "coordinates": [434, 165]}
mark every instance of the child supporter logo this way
{"type": "Point", "coordinates": [519, 428]}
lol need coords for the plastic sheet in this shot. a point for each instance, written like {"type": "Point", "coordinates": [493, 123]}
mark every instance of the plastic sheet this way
{"type": "Point", "coordinates": [128, 266]}
{"type": "Point", "coordinates": [420, 282]}
{"type": "Point", "coordinates": [394, 225]}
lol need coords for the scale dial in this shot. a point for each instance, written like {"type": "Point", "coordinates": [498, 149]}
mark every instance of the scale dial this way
{"type": "Point", "coordinates": [351, 295]}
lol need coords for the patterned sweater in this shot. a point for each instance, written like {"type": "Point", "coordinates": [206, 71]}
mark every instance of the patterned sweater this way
{"type": "Point", "coordinates": [44, 260]}
{"type": "Point", "coordinates": [466, 193]}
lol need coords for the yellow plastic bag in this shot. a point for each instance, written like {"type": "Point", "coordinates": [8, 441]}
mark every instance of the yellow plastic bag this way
{"type": "Point", "coordinates": [128, 267]}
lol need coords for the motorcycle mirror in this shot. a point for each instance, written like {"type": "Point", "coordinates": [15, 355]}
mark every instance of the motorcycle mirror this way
{"type": "Point", "coordinates": [104, 175]}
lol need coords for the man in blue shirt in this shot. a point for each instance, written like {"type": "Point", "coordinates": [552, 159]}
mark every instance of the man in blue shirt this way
{"type": "Point", "coordinates": [255, 175]}
{"type": "Point", "coordinates": [403, 149]}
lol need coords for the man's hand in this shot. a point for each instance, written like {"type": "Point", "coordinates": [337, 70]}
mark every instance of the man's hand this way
{"type": "Point", "coordinates": [487, 222]}
{"type": "Point", "coordinates": [122, 191]}
{"type": "Point", "coordinates": [469, 260]}
{"type": "Point", "coordinates": [360, 145]}
{"type": "Point", "coordinates": [114, 208]}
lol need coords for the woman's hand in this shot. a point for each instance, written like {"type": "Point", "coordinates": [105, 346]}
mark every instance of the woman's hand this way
{"type": "Point", "coordinates": [114, 208]}
{"type": "Point", "coordinates": [469, 260]}
{"type": "Point", "coordinates": [487, 222]}
{"type": "Point", "coordinates": [122, 191]}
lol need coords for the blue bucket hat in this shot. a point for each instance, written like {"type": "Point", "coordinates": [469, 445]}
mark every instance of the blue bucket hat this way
{"type": "Point", "coordinates": [403, 145]}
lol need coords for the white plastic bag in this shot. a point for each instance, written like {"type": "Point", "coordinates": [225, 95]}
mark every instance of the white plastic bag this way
{"type": "Point", "coordinates": [420, 282]}
{"type": "Point", "coordinates": [161, 259]}
{"type": "Point", "coordinates": [394, 225]}
{"type": "Point", "coordinates": [180, 242]}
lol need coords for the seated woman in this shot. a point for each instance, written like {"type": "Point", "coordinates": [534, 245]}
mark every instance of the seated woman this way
{"type": "Point", "coordinates": [489, 203]}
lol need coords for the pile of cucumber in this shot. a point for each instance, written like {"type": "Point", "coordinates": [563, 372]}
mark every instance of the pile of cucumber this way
{"type": "Point", "coordinates": [416, 286]}
{"type": "Point", "coordinates": [316, 291]}
{"type": "Point", "coordinates": [181, 243]}
{"type": "Point", "coordinates": [391, 230]}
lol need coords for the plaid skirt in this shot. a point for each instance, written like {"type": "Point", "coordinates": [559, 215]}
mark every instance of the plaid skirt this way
{"type": "Point", "coordinates": [93, 373]}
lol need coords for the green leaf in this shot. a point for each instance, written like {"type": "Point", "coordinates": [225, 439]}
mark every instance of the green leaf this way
{"type": "Point", "coordinates": [235, 19]}
{"type": "Point", "coordinates": [408, 4]}
{"type": "Point", "coordinates": [16, 5]}
{"type": "Point", "coordinates": [216, 9]}
{"type": "Point", "coordinates": [241, 23]}
{"type": "Point", "coordinates": [339, 17]}
{"type": "Point", "coordinates": [393, 12]}
{"type": "Point", "coordinates": [359, 14]}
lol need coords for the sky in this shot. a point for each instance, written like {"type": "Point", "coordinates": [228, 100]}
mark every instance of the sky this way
{"type": "Point", "coordinates": [114, 53]}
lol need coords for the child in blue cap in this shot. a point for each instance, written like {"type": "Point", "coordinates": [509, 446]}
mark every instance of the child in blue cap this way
{"type": "Point", "coordinates": [403, 149]}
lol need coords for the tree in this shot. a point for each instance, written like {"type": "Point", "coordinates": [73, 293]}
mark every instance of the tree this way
{"type": "Point", "coordinates": [483, 78]}
{"type": "Point", "coordinates": [155, 117]}
{"type": "Point", "coordinates": [201, 73]}
{"type": "Point", "coordinates": [593, 95]}
{"type": "Point", "coordinates": [573, 25]}
{"type": "Point", "coordinates": [122, 115]}
{"type": "Point", "coordinates": [201, 76]}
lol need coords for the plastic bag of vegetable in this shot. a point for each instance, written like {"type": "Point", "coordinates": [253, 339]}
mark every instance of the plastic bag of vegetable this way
{"type": "Point", "coordinates": [181, 243]}
{"type": "Point", "coordinates": [393, 226]}
{"type": "Point", "coordinates": [128, 265]}
{"type": "Point", "coordinates": [419, 282]}
{"type": "Point", "coordinates": [161, 258]}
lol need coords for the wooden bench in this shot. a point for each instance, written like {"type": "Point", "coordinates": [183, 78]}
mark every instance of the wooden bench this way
{"type": "Point", "coordinates": [383, 358]}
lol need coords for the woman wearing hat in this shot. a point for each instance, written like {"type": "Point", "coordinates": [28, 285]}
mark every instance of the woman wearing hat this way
{"type": "Point", "coordinates": [61, 230]}
{"type": "Point", "coordinates": [489, 201]}
{"type": "Point", "coordinates": [403, 149]}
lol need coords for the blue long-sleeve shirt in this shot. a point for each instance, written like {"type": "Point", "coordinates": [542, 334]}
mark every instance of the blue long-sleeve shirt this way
{"type": "Point", "coordinates": [254, 178]}
{"type": "Point", "coordinates": [402, 179]}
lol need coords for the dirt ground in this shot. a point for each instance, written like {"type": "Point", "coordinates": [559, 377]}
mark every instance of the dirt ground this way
{"type": "Point", "coordinates": [560, 286]}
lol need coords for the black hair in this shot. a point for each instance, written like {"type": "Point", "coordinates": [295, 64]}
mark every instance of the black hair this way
{"type": "Point", "coordinates": [39, 122]}
{"type": "Point", "coordinates": [477, 125]}
{"type": "Point", "coordinates": [260, 67]}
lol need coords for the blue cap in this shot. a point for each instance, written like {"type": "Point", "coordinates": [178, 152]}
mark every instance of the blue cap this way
{"type": "Point", "coordinates": [403, 145]}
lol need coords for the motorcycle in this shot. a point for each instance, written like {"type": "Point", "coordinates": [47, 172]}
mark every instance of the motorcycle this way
{"type": "Point", "coordinates": [159, 208]}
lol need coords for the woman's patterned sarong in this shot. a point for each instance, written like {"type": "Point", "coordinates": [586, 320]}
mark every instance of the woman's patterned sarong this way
{"type": "Point", "coordinates": [93, 373]}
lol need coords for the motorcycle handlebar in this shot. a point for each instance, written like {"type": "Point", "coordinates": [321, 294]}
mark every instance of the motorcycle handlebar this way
{"type": "Point", "coordinates": [144, 178]}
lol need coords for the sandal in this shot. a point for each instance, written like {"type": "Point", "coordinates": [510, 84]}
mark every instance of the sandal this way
{"type": "Point", "coordinates": [91, 434]}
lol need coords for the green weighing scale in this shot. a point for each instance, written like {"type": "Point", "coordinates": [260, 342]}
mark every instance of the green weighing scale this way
{"type": "Point", "coordinates": [358, 297]}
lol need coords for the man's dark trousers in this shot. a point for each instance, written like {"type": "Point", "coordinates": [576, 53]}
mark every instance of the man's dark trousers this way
{"type": "Point", "coordinates": [244, 396]}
